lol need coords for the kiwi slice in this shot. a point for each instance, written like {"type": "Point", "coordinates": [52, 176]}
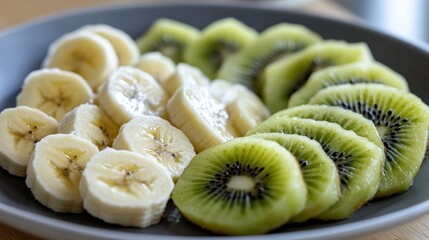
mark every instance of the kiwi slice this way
{"type": "Point", "coordinates": [347, 119]}
{"type": "Point", "coordinates": [243, 186]}
{"type": "Point", "coordinates": [217, 42]}
{"type": "Point", "coordinates": [319, 171]}
{"type": "Point", "coordinates": [283, 78]}
{"type": "Point", "coordinates": [358, 160]}
{"type": "Point", "coordinates": [361, 72]}
{"type": "Point", "coordinates": [280, 40]}
{"type": "Point", "coordinates": [401, 120]}
{"type": "Point", "coordinates": [168, 37]}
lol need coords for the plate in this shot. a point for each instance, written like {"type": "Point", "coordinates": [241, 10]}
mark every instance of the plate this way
{"type": "Point", "coordinates": [22, 50]}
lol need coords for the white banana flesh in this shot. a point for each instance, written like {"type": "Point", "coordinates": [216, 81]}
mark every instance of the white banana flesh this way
{"type": "Point", "coordinates": [129, 92]}
{"type": "Point", "coordinates": [244, 108]}
{"type": "Point", "coordinates": [92, 123]}
{"type": "Point", "coordinates": [55, 170]}
{"type": "Point", "coordinates": [157, 65]}
{"type": "Point", "coordinates": [53, 91]}
{"type": "Point", "coordinates": [185, 75]}
{"type": "Point", "coordinates": [203, 119]}
{"type": "Point", "coordinates": [84, 53]}
{"type": "Point", "coordinates": [125, 188]}
{"type": "Point", "coordinates": [125, 47]}
{"type": "Point", "coordinates": [20, 129]}
{"type": "Point", "coordinates": [157, 137]}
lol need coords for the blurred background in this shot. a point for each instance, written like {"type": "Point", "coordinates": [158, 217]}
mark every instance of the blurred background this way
{"type": "Point", "coordinates": [407, 18]}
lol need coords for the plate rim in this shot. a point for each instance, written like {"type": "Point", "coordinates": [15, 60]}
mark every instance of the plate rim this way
{"type": "Point", "coordinates": [354, 229]}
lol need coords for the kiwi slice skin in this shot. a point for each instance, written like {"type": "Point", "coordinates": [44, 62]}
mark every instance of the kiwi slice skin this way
{"type": "Point", "coordinates": [319, 171]}
{"type": "Point", "coordinates": [361, 72]}
{"type": "Point", "coordinates": [347, 119]}
{"type": "Point", "coordinates": [243, 186]}
{"type": "Point", "coordinates": [358, 160]}
{"type": "Point", "coordinates": [284, 77]}
{"type": "Point", "coordinates": [216, 43]}
{"type": "Point", "coordinates": [278, 41]}
{"type": "Point", "coordinates": [169, 37]}
{"type": "Point", "coordinates": [401, 119]}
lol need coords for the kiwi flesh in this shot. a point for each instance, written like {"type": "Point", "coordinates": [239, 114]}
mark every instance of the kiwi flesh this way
{"type": "Point", "coordinates": [169, 37]}
{"type": "Point", "coordinates": [283, 78]}
{"type": "Point", "coordinates": [274, 43]}
{"type": "Point", "coordinates": [401, 119]}
{"type": "Point", "coordinates": [361, 72]}
{"type": "Point", "coordinates": [243, 186]}
{"type": "Point", "coordinates": [347, 119]}
{"type": "Point", "coordinates": [358, 160]}
{"type": "Point", "coordinates": [319, 171]}
{"type": "Point", "coordinates": [216, 43]}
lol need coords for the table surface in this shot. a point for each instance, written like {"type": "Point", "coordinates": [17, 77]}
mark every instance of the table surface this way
{"type": "Point", "coordinates": [13, 13]}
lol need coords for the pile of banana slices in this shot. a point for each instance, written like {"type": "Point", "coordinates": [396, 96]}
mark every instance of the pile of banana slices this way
{"type": "Point", "coordinates": [102, 128]}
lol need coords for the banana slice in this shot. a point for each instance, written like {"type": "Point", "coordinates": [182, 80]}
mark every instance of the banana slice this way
{"type": "Point", "coordinates": [218, 89]}
{"type": "Point", "coordinates": [129, 92]}
{"type": "Point", "coordinates": [125, 188]}
{"type": "Point", "coordinates": [20, 129]}
{"type": "Point", "coordinates": [54, 91]}
{"type": "Point", "coordinates": [157, 65]}
{"type": "Point", "coordinates": [90, 122]}
{"type": "Point", "coordinates": [125, 47]}
{"type": "Point", "coordinates": [202, 118]}
{"type": "Point", "coordinates": [55, 169]}
{"type": "Point", "coordinates": [244, 108]}
{"type": "Point", "coordinates": [184, 76]}
{"type": "Point", "coordinates": [84, 53]}
{"type": "Point", "coordinates": [157, 137]}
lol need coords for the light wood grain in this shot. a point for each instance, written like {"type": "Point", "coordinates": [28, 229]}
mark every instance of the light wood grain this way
{"type": "Point", "coordinates": [14, 12]}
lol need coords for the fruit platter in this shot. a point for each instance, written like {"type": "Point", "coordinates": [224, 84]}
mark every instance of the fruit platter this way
{"type": "Point", "coordinates": [210, 121]}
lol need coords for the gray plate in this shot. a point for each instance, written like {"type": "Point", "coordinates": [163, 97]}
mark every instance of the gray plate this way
{"type": "Point", "coordinates": [22, 50]}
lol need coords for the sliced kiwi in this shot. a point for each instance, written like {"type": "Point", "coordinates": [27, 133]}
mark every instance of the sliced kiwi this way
{"type": "Point", "coordinates": [283, 78]}
{"type": "Point", "coordinates": [168, 37]}
{"type": "Point", "coordinates": [278, 41]}
{"type": "Point", "coordinates": [243, 186]}
{"type": "Point", "coordinates": [361, 72]}
{"type": "Point", "coordinates": [401, 120]}
{"type": "Point", "coordinates": [217, 42]}
{"type": "Point", "coordinates": [347, 119]}
{"type": "Point", "coordinates": [358, 160]}
{"type": "Point", "coordinates": [319, 171]}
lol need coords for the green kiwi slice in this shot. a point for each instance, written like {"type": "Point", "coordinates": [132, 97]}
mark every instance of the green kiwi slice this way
{"type": "Point", "coordinates": [283, 78]}
{"type": "Point", "coordinates": [347, 119]}
{"type": "Point", "coordinates": [401, 120]}
{"type": "Point", "coordinates": [217, 42]}
{"type": "Point", "coordinates": [280, 40]}
{"type": "Point", "coordinates": [361, 72]}
{"type": "Point", "coordinates": [319, 171]}
{"type": "Point", "coordinates": [358, 160]}
{"type": "Point", "coordinates": [169, 37]}
{"type": "Point", "coordinates": [243, 186]}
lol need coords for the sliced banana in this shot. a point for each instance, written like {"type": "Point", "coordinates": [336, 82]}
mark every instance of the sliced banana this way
{"type": "Point", "coordinates": [244, 108]}
{"type": "Point", "coordinates": [157, 137]}
{"type": "Point", "coordinates": [157, 65]}
{"type": "Point", "coordinates": [185, 75]}
{"type": "Point", "coordinates": [20, 129]}
{"type": "Point", "coordinates": [85, 53]}
{"type": "Point", "coordinates": [203, 119]}
{"type": "Point", "coordinates": [129, 92]}
{"type": "Point", "coordinates": [92, 123]}
{"type": "Point", "coordinates": [125, 188]}
{"type": "Point", "coordinates": [54, 91]}
{"type": "Point", "coordinates": [218, 89]}
{"type": "Point", "coordinates": [55, 169]}
{"type": "Point", "coordinates": [125, 47]}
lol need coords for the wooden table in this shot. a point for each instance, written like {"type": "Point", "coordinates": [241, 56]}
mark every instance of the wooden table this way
{"type": "Point", "coordinates": [16, 12]}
